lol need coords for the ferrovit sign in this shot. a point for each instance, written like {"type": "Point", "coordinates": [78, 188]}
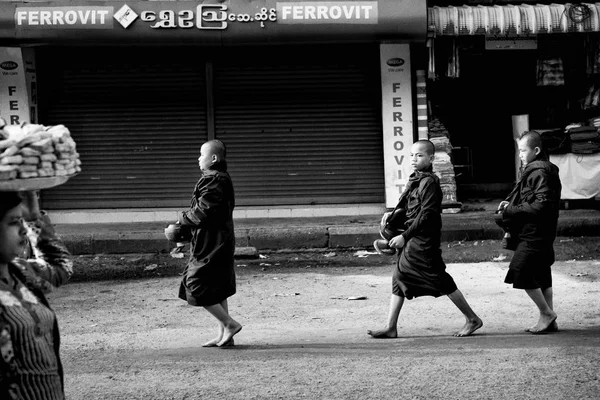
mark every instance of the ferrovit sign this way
{"type": "Point", "coordinates": [88, 17]}
{"type": "Point", "coordinates": [328, 12]}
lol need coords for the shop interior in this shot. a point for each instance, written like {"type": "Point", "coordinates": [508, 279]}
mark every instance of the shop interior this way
{"type": "Point", "coordinates": [475, 90]}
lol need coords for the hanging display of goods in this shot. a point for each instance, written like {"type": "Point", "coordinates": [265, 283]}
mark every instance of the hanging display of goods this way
{"type": "Point", "coordinates": [34, 157]}
{"type": "Point", "coordinates": [515, 20]}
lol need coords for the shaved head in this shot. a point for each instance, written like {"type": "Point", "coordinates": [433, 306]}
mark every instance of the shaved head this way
{"type": "Point", "coordinates": [427, 145]}
{"type": "Point", "coordinates": [533, 139]}
{"type": "Point", "coordinates": [211, 153]}
{"type": "Point", "coordinates": [216, 147]}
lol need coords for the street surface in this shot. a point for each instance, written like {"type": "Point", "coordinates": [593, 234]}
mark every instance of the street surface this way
{"type": "Point", "coordinates": [303, 338]}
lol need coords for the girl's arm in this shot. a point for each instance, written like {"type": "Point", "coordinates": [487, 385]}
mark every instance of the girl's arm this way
{"type": "Point", "coordinates": [50, 260]}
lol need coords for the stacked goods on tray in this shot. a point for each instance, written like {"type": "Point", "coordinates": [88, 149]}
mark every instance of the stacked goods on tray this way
{"type": "Point", "coordinates": [36, 151]}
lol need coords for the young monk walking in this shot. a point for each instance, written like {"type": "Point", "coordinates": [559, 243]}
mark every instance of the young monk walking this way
{"type": "Point", "coordinates": [531, 212]}
{"type": "Point", "coordinates": [209, 277]}
{"type": "Point", "coordinates": [420, 270]}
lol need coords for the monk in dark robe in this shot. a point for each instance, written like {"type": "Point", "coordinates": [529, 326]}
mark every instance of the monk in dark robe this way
{"type": "Point", "coordinates": [531, 212]}
{"type": "Point", "coordinates": [209, 277]}
{"type": "Point", "coordinates": [420, 270]}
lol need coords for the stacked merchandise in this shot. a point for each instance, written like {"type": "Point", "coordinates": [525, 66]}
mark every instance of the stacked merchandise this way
{"type": "Point", "coordinates": [442, 165]}
{"type": "Point", "coordinates": [37, 151]}
{"type": "Point", "coordinates": [550, 71]}
{"type": "Point", "coordinates": [555, 141]}
{"type": "Point", "coordinates": [585, 139]}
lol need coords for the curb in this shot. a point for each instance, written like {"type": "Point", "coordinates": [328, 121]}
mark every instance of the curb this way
{"type": "Point", "coordinates": [119, 239]}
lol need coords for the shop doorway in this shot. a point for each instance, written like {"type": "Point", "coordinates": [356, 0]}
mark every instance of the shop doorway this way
{"type": "Point", "coordinates": [477, 108]}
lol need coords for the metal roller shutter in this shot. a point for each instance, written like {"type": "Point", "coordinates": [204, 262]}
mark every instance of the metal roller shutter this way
{"type": "Point", "coordinates": [138, 117]}
{"type": "Point", "coordinates": [302, 124]}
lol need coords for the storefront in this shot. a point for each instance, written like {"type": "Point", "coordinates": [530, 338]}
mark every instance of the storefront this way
{"type": "Point", "coordinates": [497, 70]}
{"type": "Point", "coordinates": [294, 89]}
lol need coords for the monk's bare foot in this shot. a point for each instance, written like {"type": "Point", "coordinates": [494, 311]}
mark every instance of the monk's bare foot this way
{"type": "Point", "coordinates": [469, 328]}
{"type": "Point", "coordinates": [213, 343]}
{"type": "Point", "coordinates": [387, 333]}
{"type": "Point", "coordinates": [553, 327]}
{"type": "Point", "coordinates": [543, 324]}
{"type": "Point", "coordinates": [229, 332]}
{"type": "Point", "coordinates": [230, 343]}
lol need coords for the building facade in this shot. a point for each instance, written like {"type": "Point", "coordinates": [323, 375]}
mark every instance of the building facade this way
{"type": "Point", "coordinates": [311, 111]}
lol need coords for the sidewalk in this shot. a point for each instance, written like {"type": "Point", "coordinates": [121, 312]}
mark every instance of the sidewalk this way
{"type": "Point", "coordinates": [343, 232]}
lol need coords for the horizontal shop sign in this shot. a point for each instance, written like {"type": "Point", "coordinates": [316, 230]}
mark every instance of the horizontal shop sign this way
{"type": "Point", "coordinates": [511, 44]}
{"type": "Point", "coordinates": [208, 22]}
{"type": "Point", "coordinates": [515, 20]}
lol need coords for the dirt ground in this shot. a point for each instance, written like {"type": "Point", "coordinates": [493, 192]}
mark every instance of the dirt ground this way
{"type": "Point", "coordinates": [129, 337]}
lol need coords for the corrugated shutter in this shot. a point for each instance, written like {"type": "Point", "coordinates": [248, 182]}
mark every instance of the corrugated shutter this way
{"type": "Point", "coordinates": [138, 117]}
{"type": "Point", "coordinates": [302, 124]}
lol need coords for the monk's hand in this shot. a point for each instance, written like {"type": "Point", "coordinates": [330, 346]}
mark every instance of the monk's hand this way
{"type": "Point", "coordinates": [384, 218]}
{"type": "Point", "coordinates": [502, 205]}
{"type": "Point", "coordinates": [397, 242]}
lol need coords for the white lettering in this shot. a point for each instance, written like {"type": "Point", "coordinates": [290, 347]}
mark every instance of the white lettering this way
{"type": "Point", "coordinates": [102, 14]}
{"type": "Point", "coordinates": [58, 18]}
{"type": "Point", "coordinates": [21, 16]}
{"type": "Point", "coordinates": [367, 9]}
{"type": "Point", "coordinates": [148, 16]}
{"type": "Point", "coordinates": [71, 17]}
{"type": "Point", "coordinates": [322, 12]}
{"type": "Point", "coordinates": [62, 16]}
{"type": "Point", "coordinates": [186, 19]}
{"type": "Point", "coordinates": [33, 18]}
{"type": "Point", "coordinates": [331, 12]}
{"type": "Point", "coordinates": [84, 15]}
{"type": "Point", "coordinates": [335, 12]}
{"type": "Point", "coordinates": [297, 12]}
{"type": "Point", "coordinates": [348, 12]}
{"type": "Point", "coordinates": [45, 18]}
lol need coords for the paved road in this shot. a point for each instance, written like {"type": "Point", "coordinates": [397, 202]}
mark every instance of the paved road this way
{"type": "Point", "coordinates": [302, 338]}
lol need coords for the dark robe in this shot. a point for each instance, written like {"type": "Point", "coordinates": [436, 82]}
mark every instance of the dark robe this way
{"type": "Point", "coordinates": [209, 277]}
{"type": "Point", "coordinates": [420, 270]}
{"type": "Point", "coordinates": [532, 218]}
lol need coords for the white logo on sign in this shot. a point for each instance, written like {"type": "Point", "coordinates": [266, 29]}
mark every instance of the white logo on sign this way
{"type": "Point", "coordinates": [125, 16]}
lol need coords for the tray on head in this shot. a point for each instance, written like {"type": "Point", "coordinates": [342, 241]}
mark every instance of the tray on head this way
{"type": "Point", "coordinates": [16, 185]}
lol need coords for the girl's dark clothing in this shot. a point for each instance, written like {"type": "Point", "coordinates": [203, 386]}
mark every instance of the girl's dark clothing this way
{"type": "Point", "coordinates": [209, 277]}
{"type": "Point", "coordinates": [532, 218]}
{"type": "Point", "coordinates": [420, 270]}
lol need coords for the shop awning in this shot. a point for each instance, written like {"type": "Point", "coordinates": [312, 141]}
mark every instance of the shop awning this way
{"type": "Point", "coordinates": [210, 22]}
{"type": "Point", "coordinates": [514, 20]}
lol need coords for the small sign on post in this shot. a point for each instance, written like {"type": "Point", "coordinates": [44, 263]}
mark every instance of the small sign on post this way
{"type": "Point", "coordinates": [14, 100]}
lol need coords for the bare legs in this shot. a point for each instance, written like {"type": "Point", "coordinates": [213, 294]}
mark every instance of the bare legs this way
{"type": "Point", "coordinates": [473, 321]}
{"type": "Point", "coordinates": [545, 304]}
{"type": "Point", "coordinates": [228, 327]}
{"type": "Point", "coordinates": [390, 330]}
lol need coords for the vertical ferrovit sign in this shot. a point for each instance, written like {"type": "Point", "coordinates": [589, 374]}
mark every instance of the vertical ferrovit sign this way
{"type": "Point", "coordinates": [14, 101]}
{"type": "Point", "coordinates": [397, 118]}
